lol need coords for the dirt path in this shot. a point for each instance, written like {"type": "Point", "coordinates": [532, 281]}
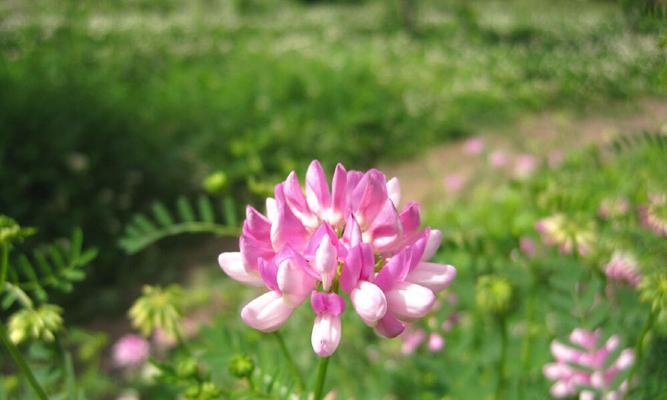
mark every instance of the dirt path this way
{"type": "Point", "coordinates": [445, 169]}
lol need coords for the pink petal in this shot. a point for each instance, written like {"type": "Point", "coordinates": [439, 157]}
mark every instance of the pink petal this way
{"type": "Point", "coordinates": [409, 301]}
{"type": "Point", "coordinates": [271, 209]}
{"type": "Point", "coordinates": [352, 233]}
{"type": "Point", "coordinates": [326, 335]}
{"type": "Point", "coordinates": [287, 229]}
{"type": "Point", "coordinates": [235, 267]}
{"type": "Point", "coordinates": [256, 225]}
{"type": "Point", "coordinates": [369, 197]}
{"type": "Point", "coordinates": [394, 191]}
{"type": "Point", "coordinates": [339, 204]}
{"type": "Point", "coordinates": [294, 282]}
{"type": "Point", "coordinates": [358, 264]}
{"type": "Point", "coordinates": [317, 189]}
{"type": "Point", "coordinates": [297, 201]}
{"type": "Point", "coordinates": [369, 302]}
{"type": "Point", "coordinates": [432, 244]}
{"type": "Point", "coordinates": [253, 249]}
{"type": "Point", "coordinates": [267, 312]}
{"type": "Point", "coordinates": [410, 220]}
{"type": "Point", "coordinates": [326, 262]}
{"type": "Point", "coordinates": [269, 272]}
{"type": "Point", "coordinates": [584, 338]}
{"type": "Point", "coordinates": [436, 277]}
{"type": "Point", "coordinates": [389, 326]}
{"type": "Point", "coordinates": [385, 228]}
{"type": "Point", "coordinates": [327, 303]}
{"type": "Point", "coordinates": [394, 271]}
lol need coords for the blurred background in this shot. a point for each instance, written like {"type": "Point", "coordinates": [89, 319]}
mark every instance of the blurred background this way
{"type": "Point", "coordinates": [109, 106]}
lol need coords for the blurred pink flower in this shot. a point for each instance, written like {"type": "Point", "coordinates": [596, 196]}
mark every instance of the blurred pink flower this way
{"type": "Point", "coordinates": [498, 159]}
{"type": "Point", "coordinates": [654, 214]}
{"type": "Point", "coordinates": [348, 236]}
{"type": "Point", "coordinates": [585, 368]}
{"type": "Point", "coordinates": [130, 351]}
{"type": "Point", "coordinates": [612, 208]}
{"type": "Point", "coordinates": [455, 182]}
{"type": "Point", "coordinates": [525, 165]}
{"type": "Point", "coordinates": [413, 337]}
{"type": "Point", "coordinates": [623, 268]}
{"type": "Point", "coordinates": [473, 146]}
{"type": "Point", "coordinates": [557, 230]}
{"type": "Point", "coordinates": [527, 246]}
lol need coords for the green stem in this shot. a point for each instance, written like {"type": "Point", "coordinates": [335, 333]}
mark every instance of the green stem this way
{"type": "Point", "coordinates": [21, 363]}
{"type": "Point", "coordinates": [500, 386]}
{"type": "Point", "coordinates": [3, 265]}
{"type": "Point", "coordinates": [639, 347]}
{"type": "Point", "coordinates": [321, 376]}
{"type": "Point", "coordinates": [526, 353]}
{"type": "Point", "coordinates": [290, 362]}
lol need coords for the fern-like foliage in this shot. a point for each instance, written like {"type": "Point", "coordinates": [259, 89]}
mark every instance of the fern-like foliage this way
{"type": "Point", "coordinates": [190, 217]}
{"type": "Point", "coordinates": [628, 142]}
{"type": "Point", "coordinates": [54, 266]}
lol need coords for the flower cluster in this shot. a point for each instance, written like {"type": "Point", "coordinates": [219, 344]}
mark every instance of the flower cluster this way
{"type": "Point", "coordinates": [557, 230]}
{"type": "Point", "coordinates": [623, 268]}
{"type": "Point", "coordinates": [654, 214]}
{"type": "Point", "coordinates": [348, 238]}
{"type": "Point", "coordinates": [587, 369]}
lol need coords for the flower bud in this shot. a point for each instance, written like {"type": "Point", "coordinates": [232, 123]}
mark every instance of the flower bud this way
{"type": "Point", "coordinates": [241, 366]}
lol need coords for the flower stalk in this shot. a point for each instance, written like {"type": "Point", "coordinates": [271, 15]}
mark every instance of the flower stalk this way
{"type": "Point", "coordinates": [21, 363]}
{"type": "Point", "coordinates": [321, 377]}
{"type": "Point", "coordinates": [639, 347]}
{"type": "Point", "coordinates": [502, 360]}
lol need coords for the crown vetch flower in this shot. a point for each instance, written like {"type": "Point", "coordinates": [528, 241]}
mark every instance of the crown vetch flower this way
{"type": "Point", "coordinates": [130, 351]}
{"type": "Point", "coordinates": [586, 368]}
{"type": "Point", "coordinates": [348, 237]}
{"type": "Point", "coordinates": [623, 268]}
{"type": "Point", "coordinates": [654, 214]}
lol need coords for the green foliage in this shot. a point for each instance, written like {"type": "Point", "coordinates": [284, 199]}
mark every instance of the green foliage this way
{"type": "Point", "coordinates": [143, 231]}
{"type": "Point", "coordinates": [55, 266]}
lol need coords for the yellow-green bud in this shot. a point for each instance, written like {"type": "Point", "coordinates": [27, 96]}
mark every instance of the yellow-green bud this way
{"type": "Point", "coordinates": [158, 308]}
{"type": "Point", "coordinates": [215, 182]}
{"type": "Point", "coordinates": [241, 366]}
{"type": "Point", "coordinates": [11, 232]}
{"type": "Point", "coordinates": [653, 289]}
{"type": "Point", "coordinates": [493, 294]}
{"type": "Point", "coordinates": [37, 323]}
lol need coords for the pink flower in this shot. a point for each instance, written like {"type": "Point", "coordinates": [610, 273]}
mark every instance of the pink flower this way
{"type": "Point", "coordinates": [654, 214]}
{"type": "Point", "coordinates": [612, 208]}
{"type": "Point", "coordinates": [623, 268]}
{"type": "Point", "coordinates": [525, 165]}
{"type": "Point", "coordinates": [498, 159]}
{"type": "Point", "coordinates": [473, 146]}
{"type": "Point", "coordinates": [348, 237]}
{"type": "Point", "coordinates": [585, 368]}
{"type": "Point", "coordinates": [455, 182]}
{"type": "Point", "coordinates": [527, 246]}
{"type": "Point", "coordinates": [130, 351]}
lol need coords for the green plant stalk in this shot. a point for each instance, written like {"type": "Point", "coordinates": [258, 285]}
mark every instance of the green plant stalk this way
{"type": "Point", "coordinates": [526, 351]}
{"type": "Point", "coordinates": [3, 266]}
{"type": "Point", "coordinates": [21, 363]}
{"type": "Point", "coordinates": [290, 362]}
{"type": "Point", "coordinates": [502, 360]}
{"type": "Point", "coordinates": [321, 377]}
{"type": "Point", "coordinates": [639, 347]}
